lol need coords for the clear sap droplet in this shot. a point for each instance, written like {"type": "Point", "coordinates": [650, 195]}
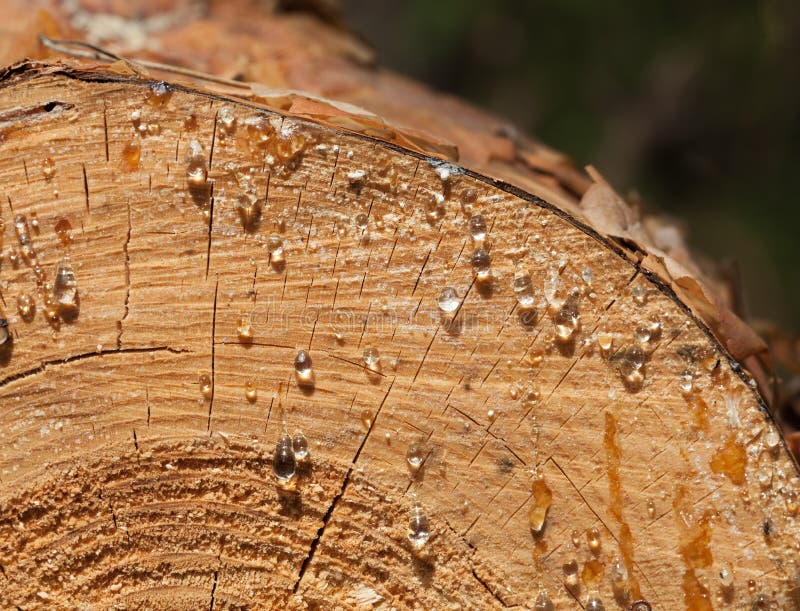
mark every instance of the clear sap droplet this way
{"type": "Point", "coordinates": [629, 364]}
{"type": "Point", "coordinates": [65, 286]}
{"type": "Point", "coordinates": [275, 248]}
{"type": "Point", "coordinates": [543, 602]}
{"type": "Point", "coordinates": [419, 530]}
{"type": "Point", "coordinates": [21, 229]}
{"type": "Point", "coordinates": [619, 574]}
{"type": "Point", "coordinates": [651, 509]}
{"type": "Point", "coordinates": [542, 498]}
{"type": "Point", "coordinates": [594, 604]}
{"type": "Point", "coordinates": [726, 576]}
{"type": "Point", "coordinates": [227, 121]}
{"type": "Point", "coordinates": [567, 320]}
{"type": "Point", "coordinates": [302, 367]}
{"type": "Point", "coordinates": [448, 300]}
{"type": "Point", "coordinates": [206, 387]}
{"type": "Point", "coordinates": [196, 165]}
{"type": "Point", "coordinates": [687, 382]}
{"type": "Point", "coordinates": [372, 359]}
{"type": "Point", "coordinates": [300, 446]}
{"type": "Point", "coordinates": [361, 221]}
{"type": "Point", "coordinates": [576, 538]}
{"type": "Point", "coordinates": [481, 264]}
{"type": "Point", "coordinates": [523, 288]}
{"type": "Point", "coordinates": [284, 462]}
{"type": "Point", "coordinates": [477, 227]}
{"type": "Point", "coordinates": [639, 295]}
{"type": "Point", "coordinates": [415, 455]}
{"type": "Point", "coordinates": [772, 439]}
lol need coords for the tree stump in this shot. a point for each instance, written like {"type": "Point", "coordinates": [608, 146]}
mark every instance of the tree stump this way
{"type": "Point", "coordinates": [511, 395]}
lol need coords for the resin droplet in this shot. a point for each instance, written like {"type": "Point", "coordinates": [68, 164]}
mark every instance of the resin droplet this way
{"type": "Point", "coordinates": [576, 538]}
{"type": "Point", "coordinates": [419, 530]}
{"type": "Point", "coordinates": [651, 509]}
{"type": "Point", "coordinates": [594, 604]}
{"type": "Point", "coordinates": [131, 155]}
{"type": "Point", "coordinates": [593, 539]}
{"type": "Point", "coordinates": [571, 578]}
{"type": "Point", "coordinates": [639, 295]}
{"type": "Point", "coordinates": [65, 287]}
{"type": "Point", "coordinates": [448, 300]}
{"type": "Point", "coordinates": [541, 501]}
{"type": "Point", "coordinates": [772, 439]}
{"type": "Point", "coordinates": [226, 121]}
{"type": "Point", "coordinates": [477, 227]}
{"type": "Point", "coordinates": [250, 391]}
{"type": "Point", "coordinates": [619, 575]}
{"type": "Point", "coordinates": [791, 501]}
{"type": "Point", "coordinates": [196, 165]}
{"type": "Point", "coordinates": [21, 229]}
{"type": "Point", "coordinates": [481, 264]}
{"type": "Point", "coordinates": [4, 335]}
{"type": "Point", "coordinates": [543, 602]}
{"type": "Point", "coordinates": [48, 168]}
{"type": "Point", "coordinates": [605, 341]}
{"type": "Point", "coordinates": [630, 363]}
{"type": "Point", "coordinates": [159, 95]}
{"type": "Point", "coordinates": [366, 419]}
{"type": "Point", "coordinates": [63, 230]}
{"type": "Point", "coordinates": [726, 576]}
{"type": "Point", "coordinates": [244, 329]}
{"type": "Point", "coordinates": [249, 209]}
{"type": "Point", "coordinates": [275, 248]}
{"type": "Point", "coordinates": [300, 446]}
{"type": "Point", "coordinates": [302, 368]}
{"type": "Point", "coordinates": [206, 387]}
{"type": "Point", "coordinates": [284, 462]}
{"type": "Point", "coordinates": [567, 320]}
{"type": "Point", "coordinates": [361, 221]}
{"type": "Point", "coordinates": [26, 307]}
{"type": "Point", "coordinates": [523, 289]}
{"type": "Point", "coordinates": [687, 382]}
{"type": "Point", "coordinates": [372, 359]}
{"type": "Point", "coordinates": [415, 456]}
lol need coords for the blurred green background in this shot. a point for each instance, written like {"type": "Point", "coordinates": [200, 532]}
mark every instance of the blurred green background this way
{"type": "Point", "coordinates": [696, 105]}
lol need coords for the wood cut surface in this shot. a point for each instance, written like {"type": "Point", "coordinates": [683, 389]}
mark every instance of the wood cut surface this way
{"type": "Point", "coordinates": [568, 392]}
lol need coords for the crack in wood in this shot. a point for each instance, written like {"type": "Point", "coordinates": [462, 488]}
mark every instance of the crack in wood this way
{"type": "Point", "coordinates": [82, 356]}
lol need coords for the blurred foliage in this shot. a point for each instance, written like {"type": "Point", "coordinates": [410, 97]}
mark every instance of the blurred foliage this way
{"type": "Point", "coordinates": [696, 105]}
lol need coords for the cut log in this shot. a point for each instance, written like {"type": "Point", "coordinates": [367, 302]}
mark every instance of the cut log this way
{"type": "Point", "coordinates": [511, 393]}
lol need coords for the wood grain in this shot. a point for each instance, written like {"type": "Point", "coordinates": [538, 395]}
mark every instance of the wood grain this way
{"type": "Point", "coordinates": [124, 487]}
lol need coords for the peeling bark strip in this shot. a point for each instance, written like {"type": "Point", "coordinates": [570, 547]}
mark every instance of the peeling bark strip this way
{"type": "Point", "coordinates": [461, 333]}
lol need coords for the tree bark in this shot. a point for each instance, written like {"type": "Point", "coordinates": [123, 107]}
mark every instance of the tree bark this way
{"type": "Point", "coordinates": [560, 403]}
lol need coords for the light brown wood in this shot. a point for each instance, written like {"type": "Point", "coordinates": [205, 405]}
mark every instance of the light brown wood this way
{"type": "Point", "coordinates": [124, 485]}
